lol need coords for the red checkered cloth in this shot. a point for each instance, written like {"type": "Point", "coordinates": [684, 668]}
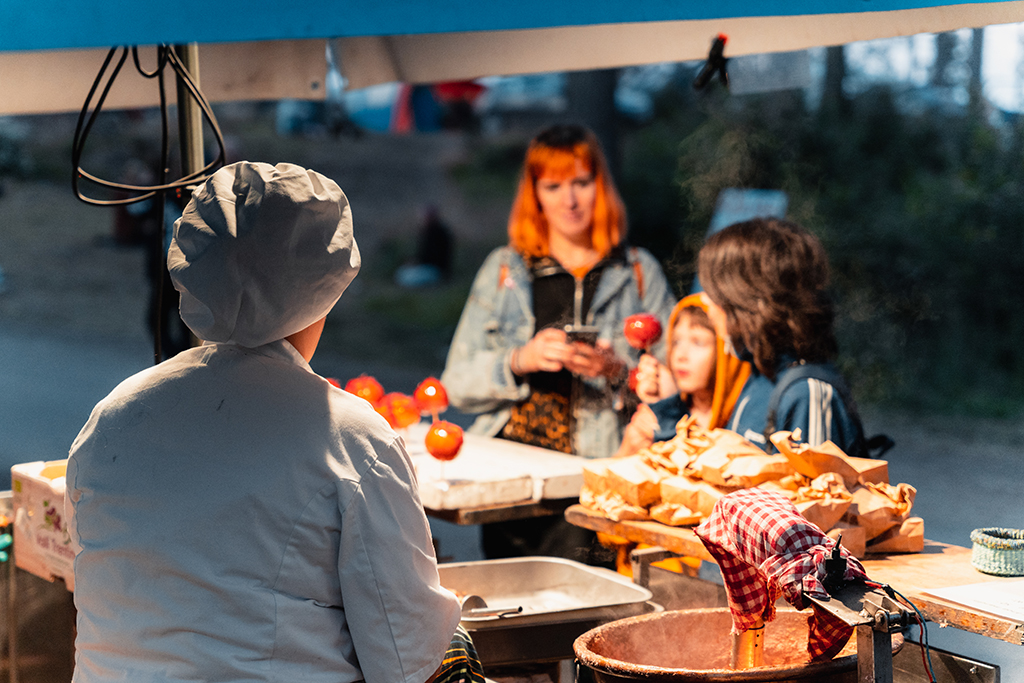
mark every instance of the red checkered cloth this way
{"type": "Point", "coordinates": [765, 548]}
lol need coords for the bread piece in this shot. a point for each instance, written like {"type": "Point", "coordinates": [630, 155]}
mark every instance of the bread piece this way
{"type": "Point", "coordinates": [674, 514]}
{"type": "Point", "coordinates": [695, 494]}
{"type": "Point", "coordinates": [611, 506]}
{"type": "Point", "coordinates": [595, 474]}
{"type": "Point", "coordinates": [634, 481]}
{"type": "Point", "coordinates": [725, 446]}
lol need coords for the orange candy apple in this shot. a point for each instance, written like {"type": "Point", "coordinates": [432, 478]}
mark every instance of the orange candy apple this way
{"type": "Point", "coordinates": [642, 330]}
{"type": "Point", "coordinates": [444, 440]}
{"type": "Point", "coordinates": [431, 397]}
{"type": "Point", "coordinates": [365, 387]}
{"type": "Point", "coordinates": [384, 410]}
{"type": "Point", "coordinates": [403, 409]}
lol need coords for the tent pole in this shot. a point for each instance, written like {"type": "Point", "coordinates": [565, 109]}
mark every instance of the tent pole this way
{"type": "Point", "coordinates": [190, 123]}
{"type": "Point", "coordinates": [190, 120]}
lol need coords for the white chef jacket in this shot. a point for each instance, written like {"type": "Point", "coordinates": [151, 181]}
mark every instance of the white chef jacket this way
{"type": "Point", "coordinates": [240, 519]}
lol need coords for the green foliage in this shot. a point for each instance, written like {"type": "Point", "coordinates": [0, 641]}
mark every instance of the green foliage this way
{"type": "Point", "coordinates": [921, 217]}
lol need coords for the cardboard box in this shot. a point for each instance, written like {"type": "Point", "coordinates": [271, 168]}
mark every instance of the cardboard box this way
{"type": "Point", "coordinates": [42, 545]}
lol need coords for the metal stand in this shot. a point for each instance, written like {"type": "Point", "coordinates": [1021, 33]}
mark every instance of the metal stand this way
{"type": "Point", "coordinates": [640, 561]}
{"type": "Point", "coordinates": [875, 615]}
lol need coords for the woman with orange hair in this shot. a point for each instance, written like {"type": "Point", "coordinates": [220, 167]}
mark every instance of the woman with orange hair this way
{"type": "Point", "coordinates": [539, 351]}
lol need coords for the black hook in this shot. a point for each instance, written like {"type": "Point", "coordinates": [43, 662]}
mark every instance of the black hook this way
{"type": "Point", "coordinates": [716, 64]}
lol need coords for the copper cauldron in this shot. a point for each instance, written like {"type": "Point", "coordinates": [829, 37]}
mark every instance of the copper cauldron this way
{"type": "Point", "coordinates": [696, 645]}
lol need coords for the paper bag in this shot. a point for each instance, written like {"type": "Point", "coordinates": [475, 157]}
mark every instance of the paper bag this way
{"type": "Point", "coordinates": [854, 539]}
{"type": "Point", "coordinates": [777, 486]}
{"type": "Point", "coordinates": [908, 537]}
{"type": "Point", "coordinates": [725, 446]}
{"type": "Point", "coordinates": [824, 500]}
{"type": "Point", "coordinates": [750, 470]}
{"type": "Point", "coordinates": [870, 471]}
{"type": "Point", "coordinates": [821, 512]}
{"type": "Point", "coordinates": [817, 460]}
{"type": "Point", "coordinates": [880, 507]}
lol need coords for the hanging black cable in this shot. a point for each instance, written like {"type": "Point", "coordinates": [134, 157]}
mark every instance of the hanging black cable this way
{"type": "Point", "coordinates": [165, 56]}
{"type": "Point", "coordinates": [139, 193]}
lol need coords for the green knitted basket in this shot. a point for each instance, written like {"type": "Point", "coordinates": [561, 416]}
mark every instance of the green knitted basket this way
{"type": "Point", "coordinates": [998, 551]}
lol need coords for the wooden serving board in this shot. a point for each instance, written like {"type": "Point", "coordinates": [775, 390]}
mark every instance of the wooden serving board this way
{"type": "Point", "coordinates": [938, 566]}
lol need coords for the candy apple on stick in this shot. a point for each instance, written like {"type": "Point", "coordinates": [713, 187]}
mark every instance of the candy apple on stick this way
{"type": "Point", "coordinates": [431, 397]}
{"type": "Point", "coordinates": [403, 409]}
{"type": "Point", "coordinates": [365, 387]}
{"type": "Point", "coordinates": [443, 442]}
{"type": "Point", "coordinates": [642, 331]}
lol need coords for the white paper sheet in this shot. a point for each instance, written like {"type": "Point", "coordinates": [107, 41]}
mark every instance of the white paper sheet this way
{"type": "Point", "coordinates": [999, 598]}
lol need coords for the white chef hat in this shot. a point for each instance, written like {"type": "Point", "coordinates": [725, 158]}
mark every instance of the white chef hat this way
{"type": "Point", "coordinates": [261, 252]}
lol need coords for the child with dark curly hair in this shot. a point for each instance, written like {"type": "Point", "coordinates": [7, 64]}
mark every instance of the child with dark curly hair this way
{"type": "Point", "coordinates": [765, 281]}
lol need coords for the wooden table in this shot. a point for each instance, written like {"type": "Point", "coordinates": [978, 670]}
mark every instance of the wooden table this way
{"type": "Point", "coordinates": [545, 507]}
{"type": "Point", "coordinates": [938, 566]}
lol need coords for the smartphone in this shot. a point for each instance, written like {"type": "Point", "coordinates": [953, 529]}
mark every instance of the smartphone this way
{"type": "Point", "coordinates": [581, 333]}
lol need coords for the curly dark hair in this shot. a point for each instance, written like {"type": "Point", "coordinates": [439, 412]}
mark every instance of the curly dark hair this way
{"type": "Point", "coordinates": [770, 276]}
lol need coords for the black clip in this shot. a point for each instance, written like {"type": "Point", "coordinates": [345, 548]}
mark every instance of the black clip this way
{"type": "Point", "coordinates": [835, 569]}
{"type": "Point", "coordinates": [715, 64]}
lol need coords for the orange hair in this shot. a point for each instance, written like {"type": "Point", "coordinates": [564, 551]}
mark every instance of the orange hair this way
{"type": "Point", "coordinates": [554, 153]}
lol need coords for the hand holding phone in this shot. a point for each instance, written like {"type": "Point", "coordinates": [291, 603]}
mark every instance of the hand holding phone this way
{"type": "Point", "coordinates": [586, 334]}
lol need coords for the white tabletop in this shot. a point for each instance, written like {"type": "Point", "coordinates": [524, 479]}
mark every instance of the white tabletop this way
{"type": "Point", "coordinates": [490, 472]}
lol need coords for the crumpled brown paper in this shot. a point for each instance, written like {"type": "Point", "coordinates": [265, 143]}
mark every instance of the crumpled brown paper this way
{"type": "Point", "coordinates": [880, 507]}
{"type": "Point", "coordinates": [824, 500]}
{"type": "Point", "coordinates": [908, 537]}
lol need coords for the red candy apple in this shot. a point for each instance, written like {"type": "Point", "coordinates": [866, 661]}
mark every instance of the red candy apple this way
{"type": "Point", "coordinates": [334, 381]}
{"type": "Point", "coordinates": [403, 409]}
{"type": "Point", "coordinates": [642, 330]}
{"type": "Point", "coordinates": [632, 379]}
{"type": "Point", "coordinates": [365, 387]}
{"type": "Point", "coordinates": [430, 397]}
{"type": "Point", "coordinates": [385, 411]}
{"type": "Point", "coordinates": [444, 440]}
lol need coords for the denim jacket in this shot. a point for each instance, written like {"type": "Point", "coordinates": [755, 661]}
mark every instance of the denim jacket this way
{"type": "Point", "coordinates": [499, 317]}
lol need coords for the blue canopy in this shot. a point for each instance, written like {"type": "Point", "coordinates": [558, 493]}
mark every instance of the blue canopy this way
{"type": "Point", "coordinates": [56, 24]}
{"type": "Point", "coordinates": [50, 50]}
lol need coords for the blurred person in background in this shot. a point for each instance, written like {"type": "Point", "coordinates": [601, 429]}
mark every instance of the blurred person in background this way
{"type": "Point", "coordinates": [512, 360]}
{"type": "Point", "coordinates": [700, 379]}
{"type": "Point", "coordinates": [766, 286]}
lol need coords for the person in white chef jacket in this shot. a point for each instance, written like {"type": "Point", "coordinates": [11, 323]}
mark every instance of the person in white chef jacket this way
{"type": "Point", "coordinates": [237, 517]}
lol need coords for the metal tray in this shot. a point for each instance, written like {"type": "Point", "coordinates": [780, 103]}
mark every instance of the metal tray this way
{"type": "Point", "coordinates": [561, 600]}
{"type": "Point", "coordinates": [547, 588]}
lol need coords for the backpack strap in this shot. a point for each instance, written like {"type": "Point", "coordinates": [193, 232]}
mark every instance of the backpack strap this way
{"type": "Point", "coordinates": [826, 373]}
